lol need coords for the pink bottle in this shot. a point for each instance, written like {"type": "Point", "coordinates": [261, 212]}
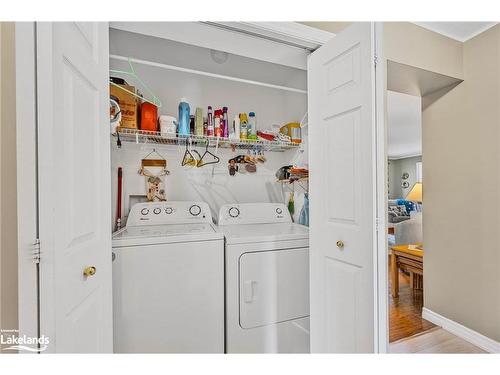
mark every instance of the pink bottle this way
{"type": "Point", "coordinates": [210, 123]}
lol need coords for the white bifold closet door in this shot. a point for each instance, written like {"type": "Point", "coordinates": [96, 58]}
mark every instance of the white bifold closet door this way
{"type": "Point", "coordinates": [343, 239]}
{"type": "Point", "coordinates": [74, 186]}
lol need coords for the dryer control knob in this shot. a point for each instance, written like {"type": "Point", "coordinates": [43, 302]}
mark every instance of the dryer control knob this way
{"type": "Point", "coordinates": [169, 210]}
{"type": "Point", "coordinates": [157, 211]}
{"type": "Point", "coordinates": [195, 210]}
{"type": "Point", "coordinates": [279, 211]}
{"type": "Point", "coordinates": [145, 211]}
{"type": "Point", "coordinates": [234, 212]}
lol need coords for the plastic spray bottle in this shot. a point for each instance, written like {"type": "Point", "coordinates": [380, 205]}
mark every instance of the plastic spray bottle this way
{"type": "Point", "coordinates": [225, 123]}
{"type": "Point", "coordinates": [243, 126]}
{"type": "Point", "coordinates": [183, 117]}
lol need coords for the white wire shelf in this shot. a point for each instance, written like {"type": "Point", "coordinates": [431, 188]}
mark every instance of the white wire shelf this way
{"type": "Point", "coordinates": [156, 138]}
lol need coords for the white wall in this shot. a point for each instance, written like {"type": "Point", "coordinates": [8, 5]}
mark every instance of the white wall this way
{"type": "Point", "coordinates": [404, 125]}
{"type": "Point", "coordinates": [210, 184]}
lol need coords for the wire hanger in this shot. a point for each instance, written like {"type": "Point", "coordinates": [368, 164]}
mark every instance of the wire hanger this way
{"type": "Point", "coordinates": [189, 158]}
{"type": "Point", "coordinates": [201, 163]}
{"type": "Point", "coordinates": [155, 101]}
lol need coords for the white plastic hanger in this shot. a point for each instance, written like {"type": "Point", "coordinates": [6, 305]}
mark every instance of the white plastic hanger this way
{"type": "Point", "coordinates": [155, 101]}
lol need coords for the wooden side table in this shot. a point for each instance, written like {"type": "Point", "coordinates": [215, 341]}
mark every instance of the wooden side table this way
{"type": "Point", "coordinates": [412, 260]}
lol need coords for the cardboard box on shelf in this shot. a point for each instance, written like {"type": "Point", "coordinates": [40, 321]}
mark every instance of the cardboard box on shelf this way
{"type": "Point", "coordinates": [129, 105]}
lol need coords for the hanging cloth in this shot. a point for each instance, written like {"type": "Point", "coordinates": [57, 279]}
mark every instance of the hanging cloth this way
{"type": "Point", "coordinates": [291, 205]}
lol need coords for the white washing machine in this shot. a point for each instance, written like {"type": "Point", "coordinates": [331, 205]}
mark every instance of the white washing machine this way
{"type": "Point", "coordinates": [168, 280]}
{"type": "Point", "coordinates": [267, 279]}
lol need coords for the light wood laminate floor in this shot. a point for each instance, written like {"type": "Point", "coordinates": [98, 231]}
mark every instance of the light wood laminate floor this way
{"type": "Point", "coordinates": [436, 340]}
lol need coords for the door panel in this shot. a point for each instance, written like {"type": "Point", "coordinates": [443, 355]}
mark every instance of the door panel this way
{"type": "Point", "coordinates": [343, 131]}
{"type": "Point", "coordinates": [341, 79]}
{"type": "Point", "coordinates": [342, 282]}
{"type": "Point", "coordinates": [74, 186]}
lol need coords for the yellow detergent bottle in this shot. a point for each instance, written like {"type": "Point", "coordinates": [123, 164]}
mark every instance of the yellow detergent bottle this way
{"type": "Point", "coordinates": [243, 126]}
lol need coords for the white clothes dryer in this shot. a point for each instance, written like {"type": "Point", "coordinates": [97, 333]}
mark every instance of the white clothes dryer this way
{"type": "Point", "coordinates": [267, 279]}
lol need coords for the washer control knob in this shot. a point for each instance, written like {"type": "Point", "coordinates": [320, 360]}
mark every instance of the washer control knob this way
{"type": "Point", "coordinates": [279, 211]}
{"type": "Point", "coordinates": [234, 212]}
{"type": "Point", "coordinates": [169, 210]}
{"type": "Point", "coordinates": [195, 210]}
{"type": "Point", "coordinates": [157, 210]}
{"type": "Point", "coordinates": [145, 211]}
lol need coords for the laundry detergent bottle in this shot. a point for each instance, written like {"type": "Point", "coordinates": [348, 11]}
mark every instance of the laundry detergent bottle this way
{"type": "Point", "coordinates": [184, 117]}
{"type": "Point", "coordinates": [304, 212]}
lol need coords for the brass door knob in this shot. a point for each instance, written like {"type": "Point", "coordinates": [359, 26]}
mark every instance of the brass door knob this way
{"type": "Point", "coordinates": [340, 244]}
{"type": "Point", "coordinates": [89, 271]}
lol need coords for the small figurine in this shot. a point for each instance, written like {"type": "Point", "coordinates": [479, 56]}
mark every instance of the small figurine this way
{"type": "Point", "coordinates": [233, 167]}
{"type": "Point", "coordinates": [155, 193]}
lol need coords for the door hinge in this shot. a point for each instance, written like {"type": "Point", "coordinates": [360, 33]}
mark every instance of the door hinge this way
{"type": "Point", "coordinates": [36, 251]}
{"type": "Point", "coordinates": [375, 60]}
{"type": "Point", "coordinates": [377, 224]}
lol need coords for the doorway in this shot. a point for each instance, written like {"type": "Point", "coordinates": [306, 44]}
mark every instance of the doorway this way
{"type": "Point", "coordinates": [404, 215]}
{"type": "Point", "coordinates": [410, 91]}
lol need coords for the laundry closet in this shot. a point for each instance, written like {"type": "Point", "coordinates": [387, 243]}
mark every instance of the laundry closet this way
{"type": "Point", "coordinates": [209, 166]}
{"type": "Point", "coordinates": [214, 263]}
{"type": "Point", "coordinates": [173, 70]}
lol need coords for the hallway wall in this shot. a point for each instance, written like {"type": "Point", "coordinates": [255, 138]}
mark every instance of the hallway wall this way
{"type": "Point", "coordinates": [461, 173]}
{"type": "Point", "coordinates": [8, 185]}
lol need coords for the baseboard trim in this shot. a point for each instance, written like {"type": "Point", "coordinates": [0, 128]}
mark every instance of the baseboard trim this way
{"type": "Point", "coordinates": [475, 338]}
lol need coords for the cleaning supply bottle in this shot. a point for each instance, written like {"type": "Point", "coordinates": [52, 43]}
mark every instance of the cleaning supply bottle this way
{"type": "Point", "coordinates": [304, 212]}
{"type": "Point", "coordinates": [252, 126]}
{"type": "Point", "coordinates": [217, 123]}
{"type": "Point", "coordinates": [191, 124]}
{"type": "Point", "coordinates": [235, 134]}
{"type": "Point", "coordinates": [183, 117]}
{"type": "Point", "coordinates": [210, 123]}
{"type": "Point", "coordinates": [205, 126]}
{"type": "Point", "coordinates": [225, 123]}
{"type": "Point", "coordinates": [198, 122]}
{"type": "Point", "coordinates": [243, 126]}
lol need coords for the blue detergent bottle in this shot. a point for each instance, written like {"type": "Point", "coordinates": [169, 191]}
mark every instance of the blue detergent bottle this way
{"type": "Point", "coordinates": [184, 118]}
{"type": "Point", "coordinates": [304, 213]}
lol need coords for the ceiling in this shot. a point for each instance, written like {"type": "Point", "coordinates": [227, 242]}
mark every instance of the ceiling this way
{"type": "Point", "coordinates": [461, 31]}
{"type": "Point", "coordinates": [404, 125]}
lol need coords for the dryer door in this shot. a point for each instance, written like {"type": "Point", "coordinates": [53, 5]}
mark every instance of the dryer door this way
{"type": "Point", "coordinates": [274, 286]}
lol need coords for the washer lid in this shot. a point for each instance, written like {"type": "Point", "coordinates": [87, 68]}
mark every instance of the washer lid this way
{"type": "Point", "coordinates": [156, 234]}
{"type": "Point", "coordinates": [252, 233]}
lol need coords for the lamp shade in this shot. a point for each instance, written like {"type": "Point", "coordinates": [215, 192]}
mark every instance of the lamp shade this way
{"type": "Point", "coordinates": [415, 194]}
